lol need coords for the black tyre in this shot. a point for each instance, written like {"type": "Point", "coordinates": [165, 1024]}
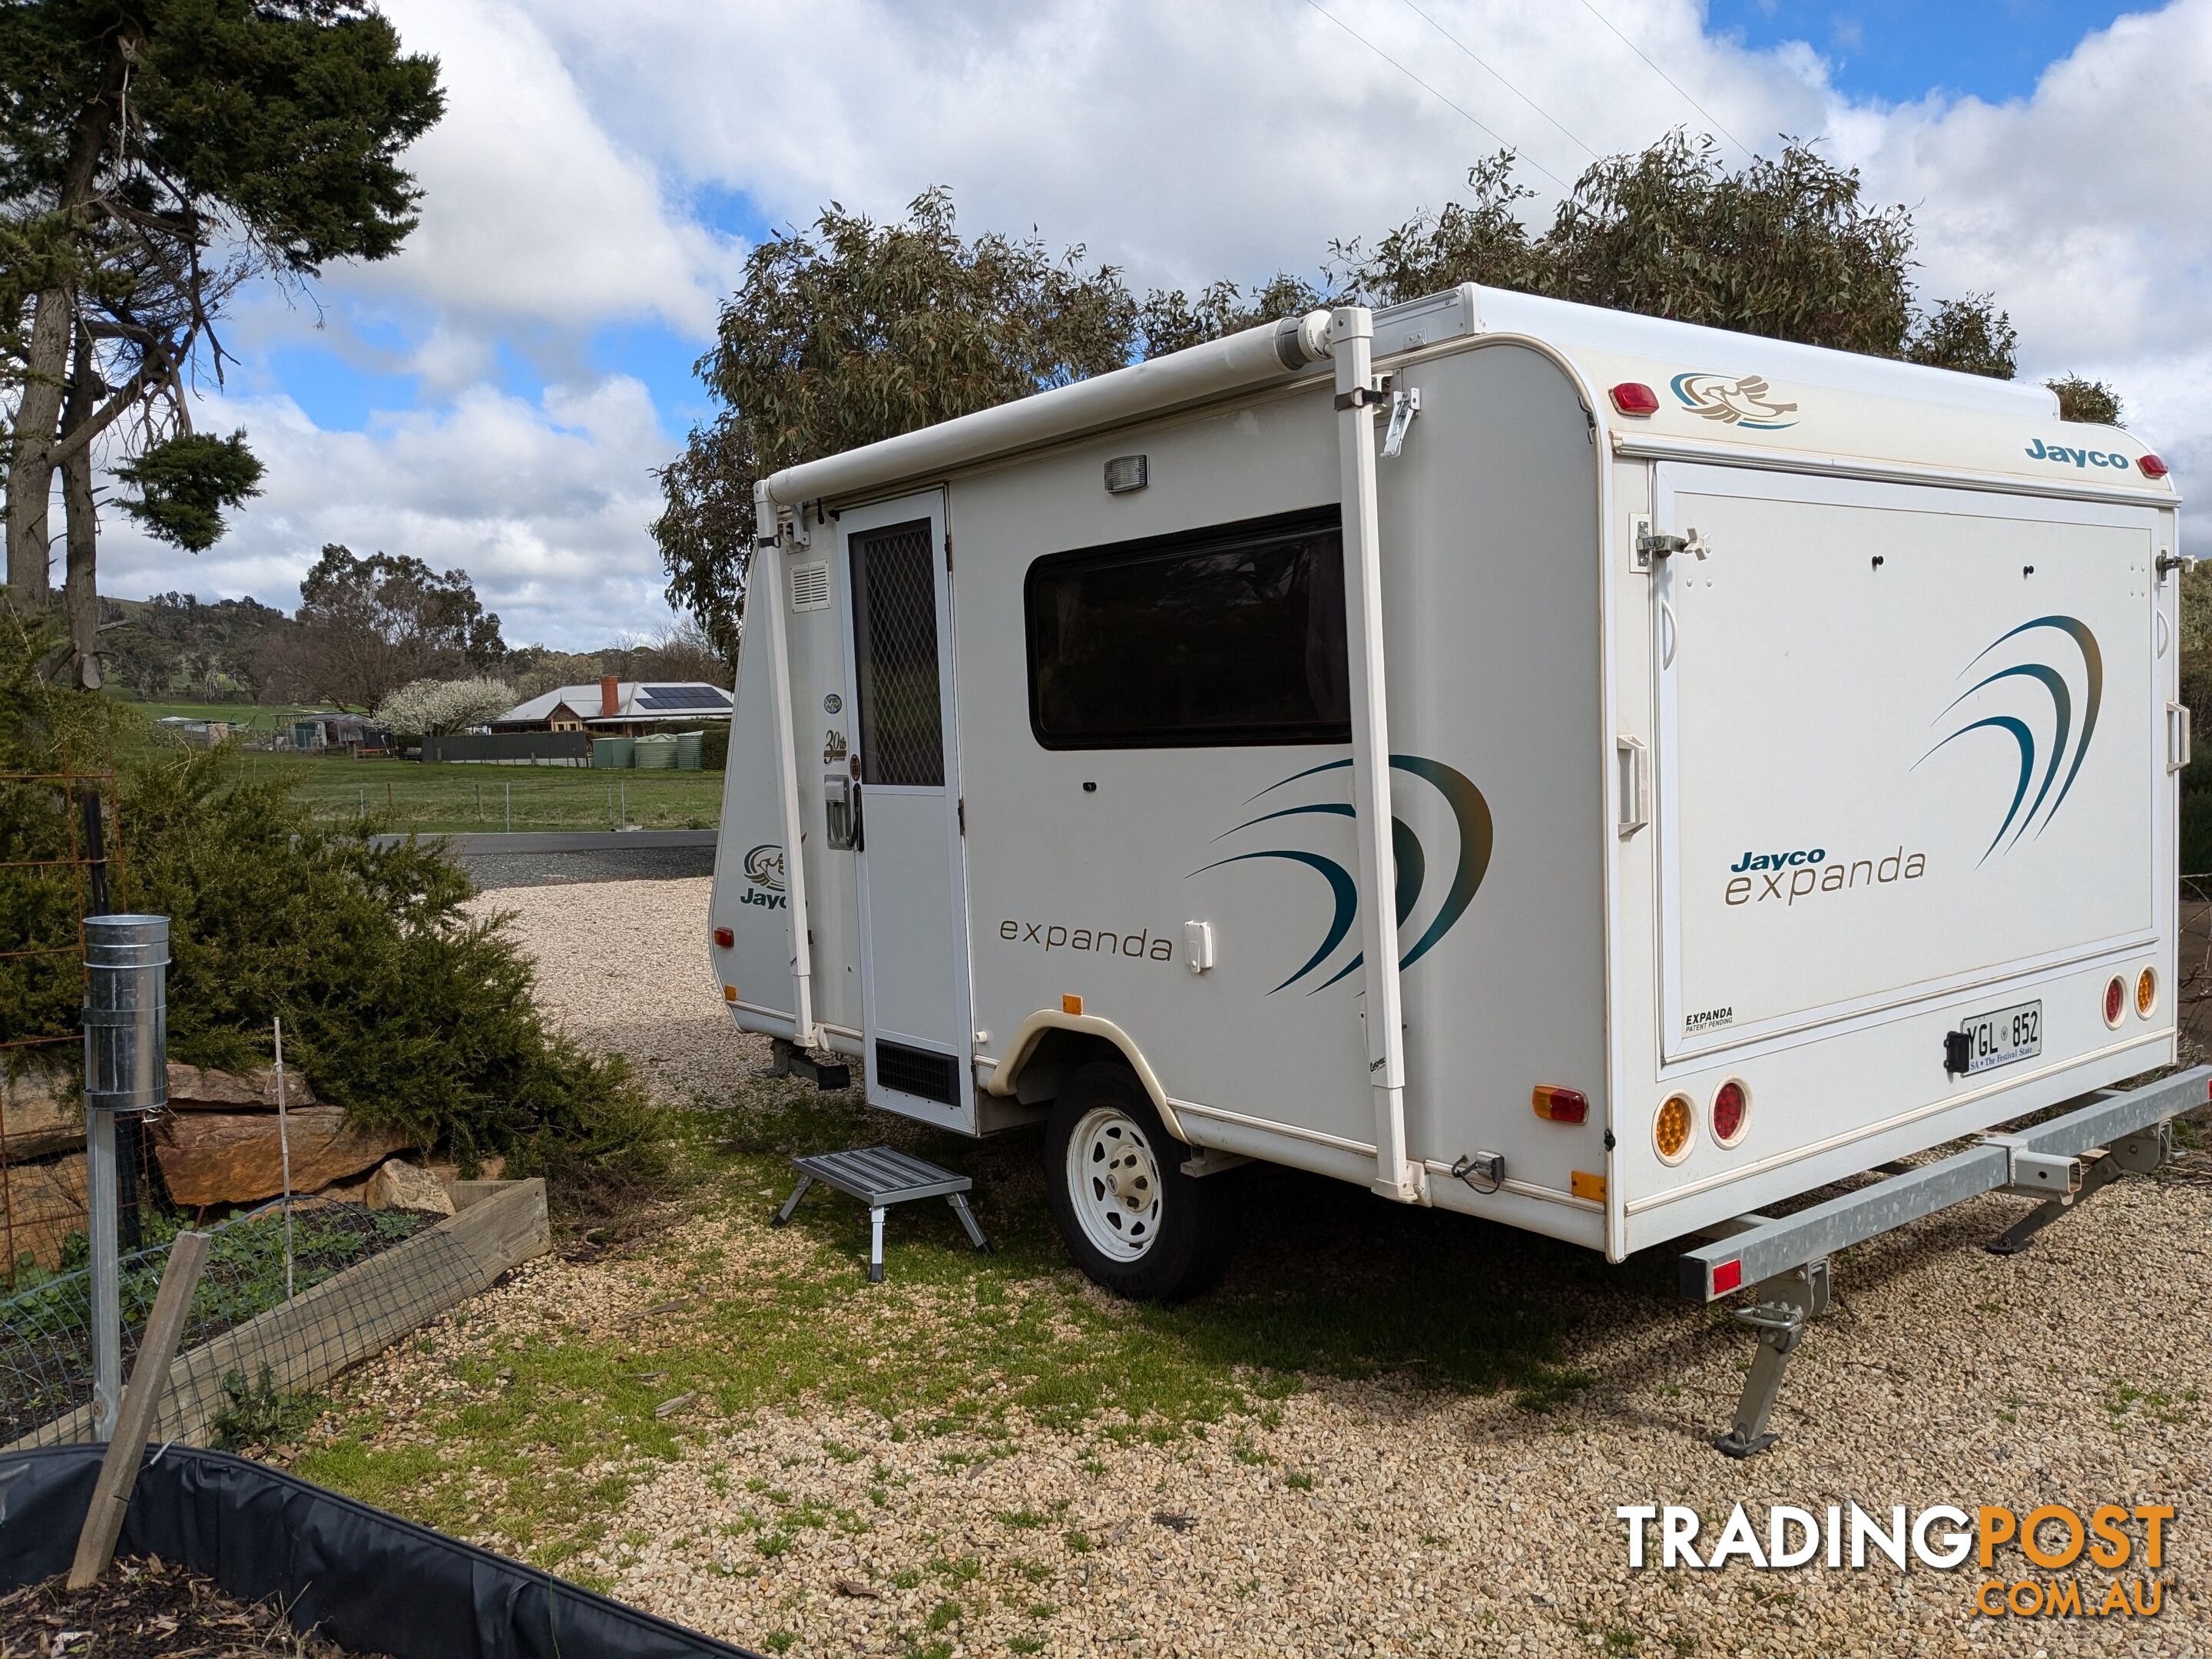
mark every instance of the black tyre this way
{"type": "Point", "coordinates": [1133, 1220]}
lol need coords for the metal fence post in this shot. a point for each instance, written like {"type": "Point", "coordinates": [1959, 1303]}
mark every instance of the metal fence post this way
{"type": "Point", "coordinates": [127, 960]}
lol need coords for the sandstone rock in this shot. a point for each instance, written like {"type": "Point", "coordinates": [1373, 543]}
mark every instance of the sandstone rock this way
{"type": "Point", "coordinates": [44, 1204]}
{"type": "Point", "coordinates": [234, 1157]}
{"type": "Point", "coordinates": [202, 1089]}
{"type": "Point", "coordinates": [400, 1185]}
{"type": "Point", "coordinates": [42, 1108]}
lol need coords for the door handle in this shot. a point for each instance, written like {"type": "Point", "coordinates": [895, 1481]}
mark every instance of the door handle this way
{"type": "Point", "coordinates": [840, 811]}
{"type": "Point", "coordinates": [1635, 783]}
{"type": "Point", "coordinates": [2177, 736]}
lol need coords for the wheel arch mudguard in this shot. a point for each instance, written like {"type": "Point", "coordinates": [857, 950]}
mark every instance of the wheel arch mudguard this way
{"type": "Point", "coordinates": [1037, 1037]}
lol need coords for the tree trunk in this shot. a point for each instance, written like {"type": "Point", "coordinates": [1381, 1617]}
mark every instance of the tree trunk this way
{"type": "Point", "coordinates": [30, 472]}
{"type": "Point", "coordinates": [46, 366]}
{"type": "Point", "coordinates": [80, 590]}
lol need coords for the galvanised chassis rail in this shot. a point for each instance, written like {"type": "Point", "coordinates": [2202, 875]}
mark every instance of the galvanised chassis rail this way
{"type": "Point", "coordinates": [1785, 1260]}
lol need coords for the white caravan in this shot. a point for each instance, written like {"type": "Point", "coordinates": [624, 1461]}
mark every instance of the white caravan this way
{"type": "Point", "coordinates": [1768, 754]}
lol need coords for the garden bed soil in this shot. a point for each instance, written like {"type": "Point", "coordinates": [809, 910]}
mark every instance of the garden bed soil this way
{"type": "Point", "coordinates": [148, 1609]}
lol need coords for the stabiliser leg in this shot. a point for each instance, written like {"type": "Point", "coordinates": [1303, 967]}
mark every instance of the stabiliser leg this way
{"type": "Point", "coordinates": [875, 1245]}
{"type": "Point", "coordinates": [1785, 1303]}
{"type": "Point", "coordinates": [791, 1203]}
{"type": "Point", "coordinates": [2136, 1154]}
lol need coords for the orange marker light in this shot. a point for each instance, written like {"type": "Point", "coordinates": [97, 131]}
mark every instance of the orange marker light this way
{"type": "Point", "coordinates": [1560, 1105]}
{"type": "Point", "coordinates": [729, 993]}
{"type": "Point", "coordinates": [2146, 992]}
{"type": "Point", "coordinates": [1071, 1005]}
{"type": "Point", "coordinates": [1670, 1130]}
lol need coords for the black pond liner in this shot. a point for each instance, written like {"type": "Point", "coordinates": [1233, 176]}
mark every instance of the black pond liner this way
{"type": "Point", "coordinates": [366, 1580]}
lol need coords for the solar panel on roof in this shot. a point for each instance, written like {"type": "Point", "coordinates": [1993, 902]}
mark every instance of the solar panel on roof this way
{"type": "Point", "coordinates": [682, 696]}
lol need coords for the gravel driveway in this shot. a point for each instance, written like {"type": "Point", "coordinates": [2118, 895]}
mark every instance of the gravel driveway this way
{"type": "Point", "coordinates": [1398, 1514]}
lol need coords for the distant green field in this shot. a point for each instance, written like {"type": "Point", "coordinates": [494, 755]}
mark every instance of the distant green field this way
{"type": "Point", "coordinates": [398, 796]}
{"type": "Point", "coordinates": [242, 716]}
{"type": "Point", "coordinates": [444, 799]}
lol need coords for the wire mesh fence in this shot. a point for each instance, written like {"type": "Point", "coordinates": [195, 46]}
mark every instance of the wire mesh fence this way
{"type": "Point", "coordinates": [247, 1341]}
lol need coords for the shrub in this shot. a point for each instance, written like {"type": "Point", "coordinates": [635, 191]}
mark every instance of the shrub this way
{"type": "Point", "coordinates": [714, 745]}
{"type": "Point", "coordinates": [397, 1006]}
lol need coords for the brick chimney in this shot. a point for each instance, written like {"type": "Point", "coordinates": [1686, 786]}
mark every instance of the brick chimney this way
{"type": "Point", "coordinates": [610, 698]}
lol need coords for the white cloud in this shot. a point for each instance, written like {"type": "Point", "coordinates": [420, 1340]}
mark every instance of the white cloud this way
{"type": "Point", "coordinates": [1184, 142]}
{"type": "Point", "coordinates": [543, 504]}
{"type": "Point", "coordinates": [531, 211]}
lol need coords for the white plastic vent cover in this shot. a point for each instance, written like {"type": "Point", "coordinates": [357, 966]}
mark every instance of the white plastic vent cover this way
{"type": "Point", "coordinates": [810, 587]}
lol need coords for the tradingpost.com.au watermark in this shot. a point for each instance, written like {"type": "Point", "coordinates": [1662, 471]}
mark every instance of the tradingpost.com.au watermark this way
{"type": "Point", "coordinates": [1998, 1545]}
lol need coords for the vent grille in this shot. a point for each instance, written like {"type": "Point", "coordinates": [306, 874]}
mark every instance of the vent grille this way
{"type": "Point", "coordinates": [918, 1071]}
{"type": "Point", "coordinates": [810, 587]}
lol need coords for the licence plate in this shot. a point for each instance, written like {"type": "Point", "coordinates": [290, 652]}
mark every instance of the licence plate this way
{"type": "Point", "coordinates": [2000, 1038]}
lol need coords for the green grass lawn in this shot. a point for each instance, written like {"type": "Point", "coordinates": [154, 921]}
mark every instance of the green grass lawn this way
{"type": "Point", "coordinates": [445, 799]}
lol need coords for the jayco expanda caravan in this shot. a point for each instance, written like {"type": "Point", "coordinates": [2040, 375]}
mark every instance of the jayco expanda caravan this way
{"type": "Point", "coordinates": [1604, 774]}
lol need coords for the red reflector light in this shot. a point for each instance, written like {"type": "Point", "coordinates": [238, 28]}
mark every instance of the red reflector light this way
{"type": "Point", "coordinates": [1729, 1105]}
{"type": "Point", "coordinates": [1727, 1276]}
{"type": "Point", "coordinates": [1634, 398]}
{"type": "Point", "coordinates": [1560, 1105]}
{"type": "Point", "coordinates": [725, 938]}
{"type": "Point", "coordinates": [2115, 1000]}
{"type": "Point", "coordinates": [2152, 466]}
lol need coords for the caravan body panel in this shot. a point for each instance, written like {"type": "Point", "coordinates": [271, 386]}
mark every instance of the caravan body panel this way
{"type": "Point", "coordinates": [1887, 744]}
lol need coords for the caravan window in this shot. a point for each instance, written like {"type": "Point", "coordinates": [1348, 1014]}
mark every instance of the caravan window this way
{"type": "Point", "coordinates": [1230, 636]}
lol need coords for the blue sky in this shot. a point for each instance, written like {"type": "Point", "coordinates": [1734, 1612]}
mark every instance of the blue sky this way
{"type": "Point", "coordinates": [497, 396]}
{"type": "Point", "coordinates": [1899, 51]}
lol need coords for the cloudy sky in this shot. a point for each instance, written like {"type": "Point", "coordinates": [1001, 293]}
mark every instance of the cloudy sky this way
{"type": "Point", "coordinates": [496, 396]}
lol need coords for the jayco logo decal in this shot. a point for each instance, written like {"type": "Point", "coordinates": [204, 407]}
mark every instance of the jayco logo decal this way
{"type": "Point", "coordinates": [2067, 746]}
{"type": "Point", "coordinates": [2062, 455]}
{"type": "Point", "coordinates": [1743, 403]}
{"type": "Point", "coordinates": [1470, 814]}
{"type": "Point", "coordinates": [764, 870]}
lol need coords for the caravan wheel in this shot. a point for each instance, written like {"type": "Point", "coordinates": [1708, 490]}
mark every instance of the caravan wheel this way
{"type": "Point", "coordinates": [1133, 1220]}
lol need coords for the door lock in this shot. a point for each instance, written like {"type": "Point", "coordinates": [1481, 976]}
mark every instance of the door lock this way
{"type": "Point", "coordinates": [841, 812]}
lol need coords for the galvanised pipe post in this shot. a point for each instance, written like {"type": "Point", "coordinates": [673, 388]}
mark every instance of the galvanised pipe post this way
{"type": "Point", "coordinates": [126, 961]}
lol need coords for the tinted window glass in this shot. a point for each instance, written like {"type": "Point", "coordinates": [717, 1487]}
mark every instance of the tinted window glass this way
{"type": "Point", "coordinates": [1230, 636]}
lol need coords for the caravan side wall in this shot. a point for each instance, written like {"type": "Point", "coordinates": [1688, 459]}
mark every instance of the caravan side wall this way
{"type": "Point", "coordinates": [1490, 573]}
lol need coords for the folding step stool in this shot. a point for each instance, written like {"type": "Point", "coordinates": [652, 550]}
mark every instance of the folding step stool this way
{"type": "Point", "coordinates": [880, 1177]}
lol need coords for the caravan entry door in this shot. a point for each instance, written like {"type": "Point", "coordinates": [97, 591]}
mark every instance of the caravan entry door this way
{"type": "Point", "coordinates": [914, 990]}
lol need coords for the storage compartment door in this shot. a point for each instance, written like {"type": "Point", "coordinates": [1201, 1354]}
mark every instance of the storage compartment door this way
{"type": "Point", "coordinates": [1909, 743]}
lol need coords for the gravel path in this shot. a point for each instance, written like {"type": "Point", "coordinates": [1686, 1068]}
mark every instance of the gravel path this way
{"type": "Point", "coordinates": [1392, 1517]}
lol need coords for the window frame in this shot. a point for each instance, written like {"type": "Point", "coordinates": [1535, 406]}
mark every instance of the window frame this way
{"type": "Point", "coordinates": [1327, 517]}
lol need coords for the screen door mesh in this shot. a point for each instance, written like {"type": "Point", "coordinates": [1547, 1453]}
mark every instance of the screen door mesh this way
{"type": "Point", "coordinates": [895, 634]}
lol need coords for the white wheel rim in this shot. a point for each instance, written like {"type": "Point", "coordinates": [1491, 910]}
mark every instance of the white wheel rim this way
{"type": "Point", "coordinates": [1113, 1182]}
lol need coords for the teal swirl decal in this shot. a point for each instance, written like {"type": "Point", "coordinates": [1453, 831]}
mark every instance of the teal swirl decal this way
{"type": "Point", "coordinates": [2067, 748]}
{"type": "Point", "coordinates": [1470, 814]}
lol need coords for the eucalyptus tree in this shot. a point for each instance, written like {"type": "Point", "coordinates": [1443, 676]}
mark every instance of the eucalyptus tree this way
{"type": "Point", "coordinates": [155, 157]}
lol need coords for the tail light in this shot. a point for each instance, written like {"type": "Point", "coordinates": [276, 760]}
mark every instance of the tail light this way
{"type": "Point", "coordinates": [1560, 1105]}
{"type": "Point", "coordinates": [725, 938]}
{"type": "Point", "coordinates": [2152, 466]}
{"type": "Point", "coordinates": [2115, 1000]}
{"type": "Point", "coordinates": [1731, 1111]}
{"type": "Point", "coordinates": [2146, 992]}
{"type": "Point", "coordinates": [1670, 1130]}
{"type": "Point", "coordinates": [1634, 398]}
